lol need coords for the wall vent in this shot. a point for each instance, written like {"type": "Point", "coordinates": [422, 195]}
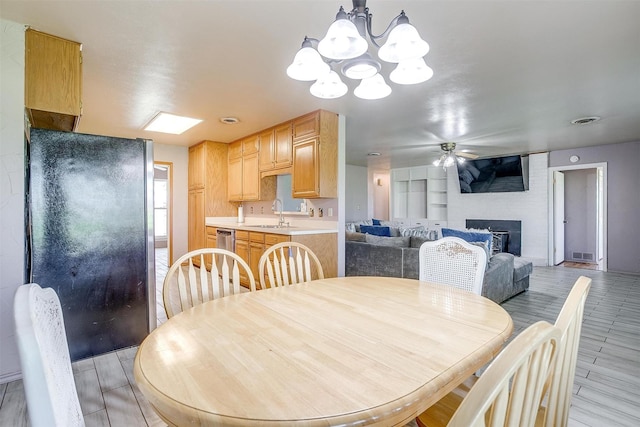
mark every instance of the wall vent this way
{"type": "Point", "coordinates": [587, 256]}
{"type": "Point", "coordinates": [576, 255]}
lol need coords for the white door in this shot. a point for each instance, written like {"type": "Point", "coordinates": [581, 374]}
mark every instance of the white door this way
{"type": "Point", "coordinates": [558, 217]}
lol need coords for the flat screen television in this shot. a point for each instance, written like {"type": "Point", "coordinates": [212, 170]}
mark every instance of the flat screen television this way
{"type": "Point", "coordinates": [494, 175]}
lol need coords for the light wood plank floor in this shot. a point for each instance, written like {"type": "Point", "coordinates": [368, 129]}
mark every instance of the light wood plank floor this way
{"type": "Point", "coordinates": [607, 384]}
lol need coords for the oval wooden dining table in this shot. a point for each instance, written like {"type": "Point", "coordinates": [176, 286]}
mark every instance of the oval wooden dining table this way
{"type": "Point", "coordinates": [344, 351]}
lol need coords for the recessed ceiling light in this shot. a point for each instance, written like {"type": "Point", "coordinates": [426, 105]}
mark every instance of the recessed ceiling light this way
{"type": "Point", "coordinates": [229, 120]}
{"type": "Point", "coordinates": [373, 153]}
{"type": "Point", "coordinates": [170, 123]}
{"type": "Point", "coordinates": [585, 120]}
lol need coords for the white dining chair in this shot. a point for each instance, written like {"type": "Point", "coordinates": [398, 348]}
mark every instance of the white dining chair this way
{"type": "Point", "coordinates": [194, 278]}
{"type": "Point", "coordinates": [52, 398]}
{"type": "Point", "coordinates": [554, 410]}
{"type": "Point", "coordinates": [287, 263]}
{"type": "Point", "coordinates": [453, 261]}
{"type": "Point", "coordinates": [508, 393]}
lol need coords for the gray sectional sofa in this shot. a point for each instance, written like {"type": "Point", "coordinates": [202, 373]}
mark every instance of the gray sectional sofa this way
{"type": "Point", "coordinates": [505, 276]}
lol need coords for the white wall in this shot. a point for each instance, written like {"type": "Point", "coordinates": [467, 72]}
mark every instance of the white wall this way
{"type": "Point", "coordinates": [11, 189]}
{"type": "Point", "coordinates": [356, 193]}
{"type": "Point", "coordinates": [530, 207]}
{"type": "Point", "coordinates": [179, 156]}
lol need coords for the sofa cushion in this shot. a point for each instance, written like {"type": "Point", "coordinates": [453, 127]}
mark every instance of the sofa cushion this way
{"type": "Point", "coordinates": [417, 241]}
{"type": "Point", "coordinates": [376, 230]}
{"type": "Point", "coordinates": [469, 236]}
{"type": "Point", "coordinates": [418, 230]}
{"type": "Point", "coordinates": [398, 242]}
{"type": "Point", "coordinates": [354, 237]}
{"type": "Point", "coordinates": [521, 268]}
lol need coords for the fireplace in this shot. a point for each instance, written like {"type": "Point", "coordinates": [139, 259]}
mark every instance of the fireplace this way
{"type": "Point", "coordinates": [507, 234]}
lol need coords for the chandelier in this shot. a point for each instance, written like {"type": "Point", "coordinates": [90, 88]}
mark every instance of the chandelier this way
{"type": "Point", "coordinates": [449, 157]}
{"type": "Point", "coordinates": [346, 44]}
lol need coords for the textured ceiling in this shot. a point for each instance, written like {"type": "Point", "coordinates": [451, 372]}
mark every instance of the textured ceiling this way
{"type": "Point", "coordinates": [509, 75]}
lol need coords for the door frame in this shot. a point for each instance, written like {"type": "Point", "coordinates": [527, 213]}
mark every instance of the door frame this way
{"type": "Point", "coordinates": [599, 166]}
{"type": "Point", "coordinates": [169, 166]}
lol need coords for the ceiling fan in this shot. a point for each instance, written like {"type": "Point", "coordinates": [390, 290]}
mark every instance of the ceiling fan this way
{"type": "Point", "coordinates": [449, 156]}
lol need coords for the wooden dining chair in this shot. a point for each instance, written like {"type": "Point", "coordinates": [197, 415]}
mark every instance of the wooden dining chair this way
{"type": "Point", "coordinates": [554, 410]}
{"type": "Point", "coordinates": [287, 263]}
{"type": "Point", "coordinates": [508, 393]}
{"type": "Point", "coordinates": [195, 278]}
{"type": "Point", "coordinates": [52, 399]}
{"type": "Point", "coordinates": [453, 261]}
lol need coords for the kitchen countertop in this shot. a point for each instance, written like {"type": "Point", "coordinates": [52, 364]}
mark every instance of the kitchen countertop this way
{"type": "Point", "coordinates": [293, 230]}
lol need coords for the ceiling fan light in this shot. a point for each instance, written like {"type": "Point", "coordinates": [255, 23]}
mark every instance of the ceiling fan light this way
{"type": "Point", "coordinates": [361, 67]}
{"type": "Point", "coordinates": [460, 159]}
{"type": "Point", "coordinates": [307, 65]}
{"type": "Point", "coordinates": [343, 41]}
{"type": "Point", "coordinates": [403, 43]}
{"type": "Point", "coordinates": [449, 161]}
{"type": "Point", "coordinates": [411, 71]}
{"type": "Point", "coordinates": [328, 86]}
{"type": "Point", "coordinates": [372, 88]}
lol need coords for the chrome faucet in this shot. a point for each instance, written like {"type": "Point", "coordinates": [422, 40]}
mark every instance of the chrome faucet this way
{"type": "Point", "coordinates": [274, 206]}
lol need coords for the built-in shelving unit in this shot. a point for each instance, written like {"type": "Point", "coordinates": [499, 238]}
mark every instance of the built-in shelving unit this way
{"type": "Point", "coordinates": [419, 196]}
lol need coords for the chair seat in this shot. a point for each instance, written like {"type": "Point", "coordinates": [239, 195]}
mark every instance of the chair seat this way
{"type": "Point", "coordinates": [440, 414]}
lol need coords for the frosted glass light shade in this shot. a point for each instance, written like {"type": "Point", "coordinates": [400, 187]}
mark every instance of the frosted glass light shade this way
{"type": "Point", "coordinates": [307, 65]}
{"type": "Point", "coordinates": [411, 71]}
{"type": "Point", "coordinates": [361, 67]}
{"type": "Point", "coordinates": [403, 43]}
{"type": "Point", "coordinates": [372, 88]}
{"type": "Point", "coordinates": [328, 86]}
{"type": "Point", "coordinates": [343, 41]}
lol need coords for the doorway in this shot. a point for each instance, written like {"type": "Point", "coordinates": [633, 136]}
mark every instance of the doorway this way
{"type": "Point", "coordinates": [577, 216]}
{"type": "Point", "coordinates": [163, 222]}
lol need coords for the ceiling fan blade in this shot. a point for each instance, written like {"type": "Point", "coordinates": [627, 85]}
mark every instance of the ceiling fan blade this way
{"type": "Point", "coordinates": [469, 156]}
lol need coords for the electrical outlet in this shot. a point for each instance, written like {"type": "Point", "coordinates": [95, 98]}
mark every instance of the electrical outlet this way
{"type": "Point", "coordinates": [320, 213]}
{"type": "Point", "coordinates": [261, 209]}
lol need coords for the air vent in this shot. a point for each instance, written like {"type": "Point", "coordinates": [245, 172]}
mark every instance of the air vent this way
{"type": "Point", "coordinates": [587, 256]}
{"type": "Point", "coordinates": [585, 120]}
{"type": "Point", "coordinates": [229, 120]}
{"type": "Point", "coordinates": [576, 255]}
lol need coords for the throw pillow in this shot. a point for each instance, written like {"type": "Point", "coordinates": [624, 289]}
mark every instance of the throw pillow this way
{"type": "Point", "coordinates": [355, 237]}
{"type": "Point", "coordinates": [350, 226]}
{"type": "Point", "coordinates": [376, 221]}
{"type": "Point", "coordinates": [376, 230]}
{"type": "Point", "coordinates": [484, 246]}
{"type": "Point", "coordinates": [398, 242]}
{"type": "Point", "coordinates": [419, 230]}
{"type": "Point", "coordinates": [469, 236]}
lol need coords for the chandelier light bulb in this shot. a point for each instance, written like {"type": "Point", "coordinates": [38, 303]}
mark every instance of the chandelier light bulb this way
{"type": "Point", "coordinates": [361, 67]}
{"type": "Point", "coordinates": [411, 71]}
{"type": "Point", "coordinates": [328, 86]}
{"type": "Point", "coordinates": [372, 88]}
{"type": "Point", "coordinates": [343, 41]}
{"type": "Point", "coordinates": [307, 65]}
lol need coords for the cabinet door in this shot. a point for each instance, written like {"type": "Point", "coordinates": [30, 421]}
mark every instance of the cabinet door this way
{"type": "Point", "coordinates": [53, 81]}
{"type": "Point", "coordinates": [283, 146]}
{"type": "Point", "coordinates": [235, 150]}
{"type": "Point", "coordinates": [267, 145]}
{"type": "Point", "coordinates": [305, 169]}
{"type": "Point", "coordinates": [196, 166]}
{"type": "Point", "coordinates": [255, 252]}
{"type": "Point", "coordinates": [242, 249]}
{"type": "Point", "coordinates": [306, 126]}
{"type": "Point", "coordinates": [250, 177]}
{"type": "Point", "coordinates": [251, 144]}
{"type": "Point", "coordinates": [234, 183]}
{"type": "Point", "coordinates": [196, 232]}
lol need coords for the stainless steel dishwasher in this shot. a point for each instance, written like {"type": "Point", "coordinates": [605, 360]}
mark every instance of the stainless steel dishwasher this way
{"type": "Point", "coordinates": [226, 239]}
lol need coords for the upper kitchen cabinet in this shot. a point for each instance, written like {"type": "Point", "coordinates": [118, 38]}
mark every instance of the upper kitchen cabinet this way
{"type": "Point", "coordinates": [53, 81]}
{"type": "Point", "coordinates": [244, 172]}
{"type": "Point", "coordinates": [315, 156]}
{"type": "Point", "coordinates": [276, 149]}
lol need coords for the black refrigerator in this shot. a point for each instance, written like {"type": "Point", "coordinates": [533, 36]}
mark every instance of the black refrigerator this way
{"type": "Point", "coordinates": [89, 227]}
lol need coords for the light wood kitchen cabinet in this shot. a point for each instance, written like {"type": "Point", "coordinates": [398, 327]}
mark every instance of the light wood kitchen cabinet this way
{"type": "Point", "coordinates": [315, 156]}
{"type": "Point", "coordinates": [207, 178]}
{"type": "Point", "coordinates": [244, 182]}
{"type": "Point", "coordinates": [53, 81]}
{"type": "Point", "coordinates": [235, 150]}
{"type": "Point", "coordinates": [242, 249]}
{"type": "Point", "coordinates": [211, 242]}
{"type": "Point", "coordinates": [276, 148]}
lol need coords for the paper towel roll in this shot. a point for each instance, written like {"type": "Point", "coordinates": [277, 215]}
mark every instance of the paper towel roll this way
{"type": "Point", "coordinates": [240, 214]}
